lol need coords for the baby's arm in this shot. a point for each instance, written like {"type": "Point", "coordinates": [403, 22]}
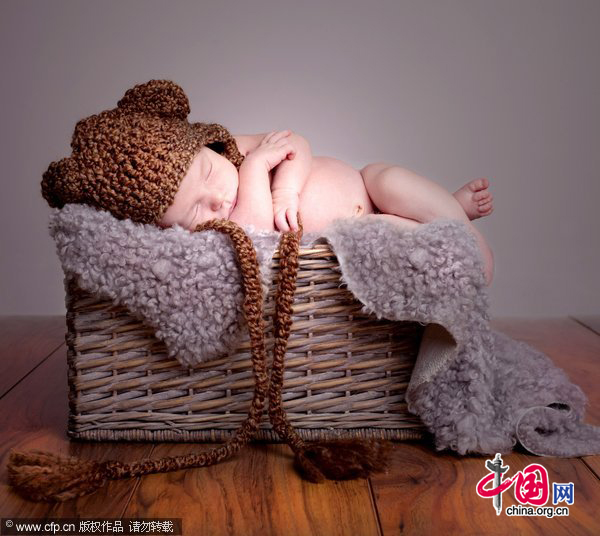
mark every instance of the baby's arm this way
{"type": "Point", "coordinates": [289, 179]}
{"type": "Point", "coordinates": [254, 202]}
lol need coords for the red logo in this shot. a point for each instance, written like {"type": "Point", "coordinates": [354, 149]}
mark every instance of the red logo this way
{"type": "Point", "coordinates": [528, 489]}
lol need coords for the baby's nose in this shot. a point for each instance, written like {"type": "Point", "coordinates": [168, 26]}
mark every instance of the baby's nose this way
{"type": "Point", "coordinates": [216, 197]}
{"type": "Point", "coordinates": [217, 200]}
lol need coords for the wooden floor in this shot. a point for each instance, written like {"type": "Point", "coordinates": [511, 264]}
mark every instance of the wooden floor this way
{"type": "Point", "coordinates": [258, 492]}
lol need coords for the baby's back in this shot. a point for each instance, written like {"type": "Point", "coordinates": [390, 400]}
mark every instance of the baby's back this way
{"type": "Point", "coordinates": [333, 190]}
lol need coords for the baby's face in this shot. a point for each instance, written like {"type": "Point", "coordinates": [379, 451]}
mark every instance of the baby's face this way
{"type": "Point", "coordinates": [208, 191]}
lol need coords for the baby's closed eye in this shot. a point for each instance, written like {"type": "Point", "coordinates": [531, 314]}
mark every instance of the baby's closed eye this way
{"type": "Point", "coordinates": [194, 217]}
{"type": "Point", "coordinates": [209, 172]}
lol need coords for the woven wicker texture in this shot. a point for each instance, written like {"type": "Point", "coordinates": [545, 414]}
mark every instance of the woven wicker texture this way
{"type": "Point", "coordinates": [346, 371]}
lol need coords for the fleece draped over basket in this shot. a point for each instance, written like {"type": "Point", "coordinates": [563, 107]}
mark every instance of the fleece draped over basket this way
{"type": "Point", "coordinates": [475, 389]}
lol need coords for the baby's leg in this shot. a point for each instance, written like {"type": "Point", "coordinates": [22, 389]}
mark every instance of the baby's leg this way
{"type": "Point", "coordinates": [399, 191]}
{"type": "Point", "coordinates": [399, 221]}
{"type": "Point", "coordinates": [396, 190]}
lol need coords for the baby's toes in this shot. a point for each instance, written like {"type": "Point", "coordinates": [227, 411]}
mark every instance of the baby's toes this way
{"type": "Point", "coordinates": [479, 184]}
{"type": "Point", "coordinates": [485, 208]}
{"type": "Point", "coordinates": [487, 201]}
{"type": "Point", "coordinates": [482, 197]}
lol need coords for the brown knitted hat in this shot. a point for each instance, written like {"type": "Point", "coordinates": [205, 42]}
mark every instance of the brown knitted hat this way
{"type": "Point", "coordinates": [130, 160]}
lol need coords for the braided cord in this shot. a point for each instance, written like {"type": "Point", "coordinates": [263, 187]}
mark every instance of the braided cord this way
{"type": "Point", "coordinates": [286, 287]}
{"type": "Point", "coordinates": [253, 311]}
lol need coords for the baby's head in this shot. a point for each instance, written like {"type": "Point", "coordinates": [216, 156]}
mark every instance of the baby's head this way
{"type": "Point", "coordinates": [208, 190]}
{"type": "Point", "coordinates": [143, 161]}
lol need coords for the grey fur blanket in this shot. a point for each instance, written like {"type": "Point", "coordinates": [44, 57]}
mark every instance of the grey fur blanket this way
{"type": "Point", "coordinates": [476, 390]}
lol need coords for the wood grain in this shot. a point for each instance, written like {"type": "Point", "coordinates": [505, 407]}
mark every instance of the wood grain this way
{"type": "Point", "coordinates": [26, 342]}
{"type": "Point", "coordinates": [592, 322]}
{"type": "Point", "coordinates": [589, 321]}
{"type": "Point", "coordinates": [427, 492]}
{"type": "Point", "coordinates": [571, 346]}
{"type": "Point", "coordinates": [435, 493]}
{"type": "Point", "coordinates": [258, 491]}
{"type": "Point", "coordinates": [33, 415]}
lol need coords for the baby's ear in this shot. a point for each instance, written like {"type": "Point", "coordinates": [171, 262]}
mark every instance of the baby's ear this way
{"type": "Point", "coordinates": [160, 98]}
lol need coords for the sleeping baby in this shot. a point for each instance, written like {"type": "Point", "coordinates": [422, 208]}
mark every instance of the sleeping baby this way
{"type": "Point", "coordinates": [279, 177]}
{"type": "Point", "coordinates": [144, 161]}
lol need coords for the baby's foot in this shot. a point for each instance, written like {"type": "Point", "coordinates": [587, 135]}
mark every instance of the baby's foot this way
{"type": "Point", "coordinates": [475, 198]}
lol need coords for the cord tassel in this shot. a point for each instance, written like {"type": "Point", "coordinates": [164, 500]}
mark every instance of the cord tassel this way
{"type": "Point", "coordinates": [339, 459]}
{"type": "Point", "coordinates": [342, 459]}
{"type": "Point", "coordinates": [43, 476]}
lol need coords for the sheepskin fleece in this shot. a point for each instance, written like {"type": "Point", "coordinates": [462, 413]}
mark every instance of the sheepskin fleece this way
{"type": "Point", "coordinates": [476, 389]}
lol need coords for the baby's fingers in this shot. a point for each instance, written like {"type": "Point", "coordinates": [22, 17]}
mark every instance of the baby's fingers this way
{"type": "Point", "coordinates": [281, 222]}
{"type": "Point", "coordinates": [279, 135]}
{"type": "Point", "coordinates": [276, 135]}
{"type": "Point", "coordinates": [288, 221]}
{"type": "Point", "coordinates": [290, 150]}
{"type": "Point", "coordinates": [292, 217]}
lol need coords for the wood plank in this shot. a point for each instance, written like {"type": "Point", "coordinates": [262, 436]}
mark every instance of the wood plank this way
{"type": "Point", "coordinates": [574, 348]}
{"type": "Point", "coordinates": [590, 321]}
{"type": "Point", "coordinates": [435, 493]}
{"type": "Point", "coordinates": [33, 415]}
{"type": "Point", "coordinates": [255, 492]}
{"type": "Point", "coordinates": [258, 489]}
{"type": "Point", "coordinates": [426, 491]}
{"type": "Point", "coordinates": [570, 346]}
{"type": "Point", "coordinates": [25, 342]}
{"type": "Point", "coordinates": [593, 462]}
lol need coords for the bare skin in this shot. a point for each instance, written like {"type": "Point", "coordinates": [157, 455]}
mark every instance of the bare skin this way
{"type": "Point", "coordinates": [475, 198]}
{"type": "Point", "coordinates": [415, 200]}
{"type": "Point", "coordinates": [213, 188]}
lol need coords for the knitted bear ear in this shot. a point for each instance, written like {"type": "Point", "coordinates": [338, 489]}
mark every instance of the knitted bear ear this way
{"type": "Point", "coordinates": [219, 139]}
{"type": "Point", "coordinates": [161, 98]}
{"type": "Point", "coordinates": [61, 183]}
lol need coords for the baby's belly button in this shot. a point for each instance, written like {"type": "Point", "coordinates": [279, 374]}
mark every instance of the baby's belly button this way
{"type": "Point", "coordinates": [364, 206]}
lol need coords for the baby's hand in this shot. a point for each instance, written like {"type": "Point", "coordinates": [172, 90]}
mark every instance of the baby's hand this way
{"type": "Point", "coordinates": [273, 149]}
{"type": "Point", "coordinates": [285, 208]}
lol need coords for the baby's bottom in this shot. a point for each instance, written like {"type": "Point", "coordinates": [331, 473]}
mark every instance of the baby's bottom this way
{"type": "Point", "coordinates": [407, 200]}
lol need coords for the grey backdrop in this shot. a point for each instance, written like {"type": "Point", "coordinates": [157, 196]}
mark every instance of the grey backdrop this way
{"type": "Point", "coordinates": [454, 90]}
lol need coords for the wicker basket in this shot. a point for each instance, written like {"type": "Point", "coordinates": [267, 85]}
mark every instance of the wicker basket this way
{"type": "Point", "coordinates": [346, 372]}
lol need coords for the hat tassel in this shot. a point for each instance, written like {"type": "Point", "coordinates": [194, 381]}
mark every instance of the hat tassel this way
{"type": "Point", "coordinates": [43, 476]}
{"type": "Point", "coordinates": [338, 459]}
{"type": "Point", "coordinates": [342, 459]}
